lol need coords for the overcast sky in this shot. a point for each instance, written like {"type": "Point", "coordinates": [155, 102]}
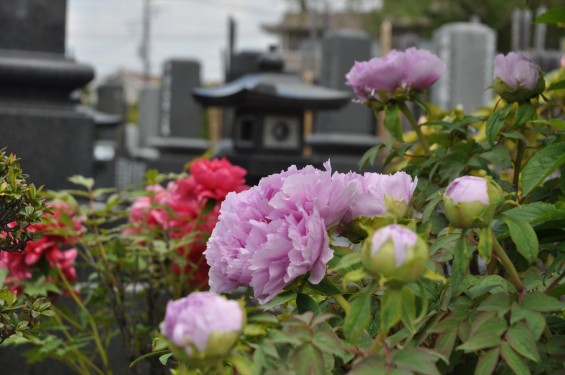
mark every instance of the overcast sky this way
{"type": "Point", "coordinates": [107, 33]}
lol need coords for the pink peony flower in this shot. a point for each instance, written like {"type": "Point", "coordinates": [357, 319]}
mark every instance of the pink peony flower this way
{"type": "Point", "coordinates": [394, 76]}
{"type": "Point", "coordinates": [468, 189]}
{"type": "Point", "coordinates": [290, 248]}
{"type": "Point", "coordinates": [202, 319]}
{"type": "Point", "coordinates": [218, 177]}
{"type": "Point", "coordinates": [372, 189]}
{"type": "Point", "coordinates": [516, 77]}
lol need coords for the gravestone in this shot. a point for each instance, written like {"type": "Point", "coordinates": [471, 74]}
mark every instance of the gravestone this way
{"type": "Point", "coordinates": [340, 50]}
{"type": "Point", "coordinates": [39, 121]}
{"type": "Point", "coordinates": [111, 109]}
{"type": "Point", "coordinates": [468, 50]}
{"type": "Point", "coordinates": [181, 116]}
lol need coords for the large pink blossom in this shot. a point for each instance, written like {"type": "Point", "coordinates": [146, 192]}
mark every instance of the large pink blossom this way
{"type": "Point", "coordinates": [277, 231]}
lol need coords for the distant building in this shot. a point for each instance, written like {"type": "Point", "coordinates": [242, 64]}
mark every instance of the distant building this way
{"type": "Point", "coordinates": [297, 31]}
{"type": "Point", "coordinates": [131, 81]}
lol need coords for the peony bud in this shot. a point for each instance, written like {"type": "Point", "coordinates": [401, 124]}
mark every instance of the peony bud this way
{"type": "Point", "coordinates": [470, 202]}
{"type": "Point", "coordinates": [395, 253]}
{"type": "Point", "coordinates": [203, 327]}
{"type": "Point", "coordinates": [517, 78]}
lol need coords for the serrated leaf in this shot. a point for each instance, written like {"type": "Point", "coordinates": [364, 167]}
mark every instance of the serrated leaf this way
{"type": "Point", "coordinates": [357, 317]}
{"type": "Point", "coordinates": [541, 303]}
{"type": "Point", "coordinates": [522, 341]}
{"type": "Point", "coordinates": [513, 360]}
{"type": "Point", "coordinates": [487, 362]}
{"type": "Point", "coordinates": [523, 236]}
{"type": "Point", "coordinates": [541, 165]}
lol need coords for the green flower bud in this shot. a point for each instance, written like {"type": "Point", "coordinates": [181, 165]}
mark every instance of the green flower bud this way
{"type": "Point", "coordinates": [471, 202]}
{"type": "Point", "coordinates": [395, 254]}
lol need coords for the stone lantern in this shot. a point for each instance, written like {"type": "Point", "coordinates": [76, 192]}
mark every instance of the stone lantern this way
{"type": "Point", "coordinates": [267, 130]}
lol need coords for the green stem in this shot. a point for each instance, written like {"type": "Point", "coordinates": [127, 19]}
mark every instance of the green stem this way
{"type": "Point", "coordinates": [508, 265]}
{"type": "Point", "coordinates": [518, 162]}
{"type": "Point", "coordinates": [412, 120]}
{"type": "Point", "coordinates": [91, 322]}
{"type": "Point", "coordinates": [342, 302]}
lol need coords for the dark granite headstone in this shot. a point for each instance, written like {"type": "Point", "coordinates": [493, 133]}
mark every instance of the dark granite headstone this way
{"type": "Point", "coordinates": [33, 25]}
{"type": "Point", "coordinates": [39, 121]}
{"type": "Point", "coordinates": [181, 116]}
{"type": "Point", "coordinates": [340, 50]}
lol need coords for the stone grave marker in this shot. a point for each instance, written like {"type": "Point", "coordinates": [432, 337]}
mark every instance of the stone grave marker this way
{"type": "Point", "coordinates": [468, 50]}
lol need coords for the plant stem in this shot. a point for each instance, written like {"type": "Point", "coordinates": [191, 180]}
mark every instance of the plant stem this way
{"type": "Point", "coordinates": [508, 265]}
{"type": "Point", "coordinates": [518, 162]}
{"type": "Point", "coordinates": [412, 120]}
{"type": "Point", "coordinates": [342, 302]}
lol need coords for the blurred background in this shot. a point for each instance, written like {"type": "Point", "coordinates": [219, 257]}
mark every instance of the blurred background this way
{"type": "Point", "coordinates": [113, 88]}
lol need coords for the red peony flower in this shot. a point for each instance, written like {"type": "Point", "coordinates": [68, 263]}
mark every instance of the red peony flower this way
{"type": "Point", "coordinates": [218, 177]}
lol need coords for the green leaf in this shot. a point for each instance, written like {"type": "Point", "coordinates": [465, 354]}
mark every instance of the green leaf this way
{"type": "Point", "coordinates": [3, 274]}
{"type": "Point", "coordinates": [279, 300]}
{"type": "Point", "coordinates": [461, 259]}
{"type": "Point", "coordinates": [498, 155]}
{"type": "Point", "coordinates": [513, 360]}
{"type": "Point", "coordinates": [485, 244]}
{"type": "Point", "coordinates": [88, 183]}
{"type": "Point", "coordinates": [164, 358]}
{"type": "Point", "coordinates": [522, 341]}
{"type": "Point", "coordinates": [554, 122]}
{"type": "Point", "coordinates": [370, 156]}
{"type": "Point", "coordinates": [408, 308]}
{"type": "Point", "coordinates": [499, 302]}
{"type": "Point", "coordinates": [487, 362]}
{"type": "Point", "coordinates": [325, 287]}
{"type": "Point", "coordinates": [555, 15]}
{"type": "Point", "coordinates": [419, 360]}
{"type": "Point", "coordinates": [523, 236]}
{"type": "Point", "coordinates": [243, 365]}
{"type": "Point", "coordinates": [560, 85]}
{"type": "Point", "coordinates": [480, 341]}
{"type": "Point", "coordinates": [488, 322]}
{"type": "Point", "coordinates": [541, 303]}
{"type": "Point", "coordinates": [357, 317]}
{"type": "Point", "coordinates": [541, 165]}
{"type": "Point", "coordinates": [348, 261]}
{"type": "Point", "coordinates": [308, 360]}
{"type": "Point", "coordinates": [306, 303]}
{"type": "Point", "coordinates": [391, 308]}
{"type": "Point", "coordinates": [392, 122]}
{"type": "Point", "coordinates": [525, 112]}
{"type": "Point", "coordinates": [445, 342]}
{"type": "Point", "coordinates": [495, 123]}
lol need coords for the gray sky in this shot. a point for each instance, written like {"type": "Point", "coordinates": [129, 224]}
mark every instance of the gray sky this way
{"type": "Point", "coordinates": [107, 33]}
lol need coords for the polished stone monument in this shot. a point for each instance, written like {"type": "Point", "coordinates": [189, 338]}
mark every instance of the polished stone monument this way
{"type": "Point", "coordinates": [39, 120]}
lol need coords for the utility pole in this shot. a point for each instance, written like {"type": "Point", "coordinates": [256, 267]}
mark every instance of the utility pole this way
{"type": "Point", "coordinates": [145, 46]}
